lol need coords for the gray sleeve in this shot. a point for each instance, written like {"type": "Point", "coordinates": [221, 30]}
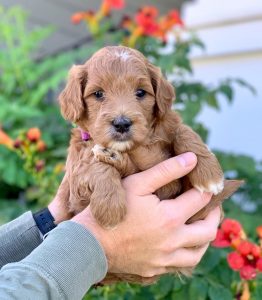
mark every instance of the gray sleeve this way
{"type": "Point", "coordinates": [18, 238]}
{"type": "Point", "coordinates": [64, 266]}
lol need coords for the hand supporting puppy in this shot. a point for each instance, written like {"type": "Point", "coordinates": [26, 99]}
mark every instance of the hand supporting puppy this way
{"type": "Point", "coordinates": [153, 239]}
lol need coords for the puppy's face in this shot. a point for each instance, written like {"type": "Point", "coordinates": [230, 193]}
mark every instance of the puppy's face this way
{"type": "Point", "coordinates": [120, 100]}
{"type": "Point", "coordinates": [115, 96]}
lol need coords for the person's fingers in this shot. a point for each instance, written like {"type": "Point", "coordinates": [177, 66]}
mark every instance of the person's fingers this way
{"type": "Point", "coordinates": [185, 257]}
{"type": "Point", "coordinates": [212, 219]}
{"type": "Point", "coordinates": [200, 232]}
{"type": "Point", "coordinates": [181, 258]}
{"type": "Point", "coordinates": [152, 179]}
{"type": "Point", "coordinates": [188, 204]}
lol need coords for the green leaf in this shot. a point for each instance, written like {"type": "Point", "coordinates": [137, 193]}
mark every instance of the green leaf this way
{"type": "Point", "coordinates": [181, 294]}
{"type": "Point", "coordinates": [227, 91]}
{"type": "Point", "coordinates": [198, 289]}
{"type": "Point", "coordinates": [257, 294]}
{"type": "Point", "coordinates": [10, 210]}
{"type": "Point", "coordinates": [11, 169]}
{"type": "Point", "coordinates": [247, 85]}
{"type": "Point", "coordinates": [191, 111]}
{"type": "Point", "coordinates": [164, 286]}
{"type": "Point", "coordinates": [197, 42]}
{"type": "Point", "coordinates": [166, 62]}
{"type": "Point", "coordinates": [209, 261]}
{"type": "Point", "coordinates": [15, 112]}
{"type": "Point", "coordinates": [222, 272]}
{"type": "Point", "coordinates": [182, 61]}
{"type": "Point", "coordinates": [219, 292]}
{"type": "Point", "coordinates": [201, 130]}
{"type": "Point", "coordinates": [212, 101]}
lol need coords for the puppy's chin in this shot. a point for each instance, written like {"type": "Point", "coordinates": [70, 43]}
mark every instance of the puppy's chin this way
{"type": "Point", "coordinates": [120, 146]}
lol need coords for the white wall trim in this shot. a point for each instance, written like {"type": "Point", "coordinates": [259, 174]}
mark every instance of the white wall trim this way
{"type": "Point", "coordinates": [226, 22]}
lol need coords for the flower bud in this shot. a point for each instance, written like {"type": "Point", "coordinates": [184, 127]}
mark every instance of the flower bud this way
{"type": "Point", "coordinates": [77, 17]}
{"type": "Point", "coordinates": [259, 231]}
{"type": "Point", "coordinates": [41, 146]}
{"type": "Point", "coordinates": [17, 143]}
{"type": "Point", "coordinates": [33, 134]}
{"type": "Point", "coordinates": [39, 165]}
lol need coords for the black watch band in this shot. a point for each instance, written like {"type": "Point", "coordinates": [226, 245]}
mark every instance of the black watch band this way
{"type": "Point", "coordinates": [44, 220]}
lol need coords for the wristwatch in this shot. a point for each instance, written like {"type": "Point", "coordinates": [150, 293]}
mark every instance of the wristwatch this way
{"type": "Point", "coordinates": [44, 221]}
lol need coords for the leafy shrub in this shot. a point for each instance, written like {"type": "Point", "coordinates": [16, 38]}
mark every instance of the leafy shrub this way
{"type": "Point", "coordinates": [27, 99]}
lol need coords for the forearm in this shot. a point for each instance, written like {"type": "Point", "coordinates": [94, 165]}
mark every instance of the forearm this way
{"type": "Point", "coordinates": [64, 266]}
{"type": "Point", "coordinates": [21, 236]}
{"type": "Point", "coordinates": [18, 239]}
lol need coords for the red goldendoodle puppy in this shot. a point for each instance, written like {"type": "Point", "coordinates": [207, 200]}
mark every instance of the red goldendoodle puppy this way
{"type": "Point", "coordinates": [122, 106]}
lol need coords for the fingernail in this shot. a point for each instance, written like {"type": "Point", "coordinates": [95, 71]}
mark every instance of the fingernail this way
{"type": "Point", "coordinates": [186, 159]}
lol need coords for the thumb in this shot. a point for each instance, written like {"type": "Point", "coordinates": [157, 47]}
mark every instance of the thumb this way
{"type": "Point", "coordinates": [152, 179]}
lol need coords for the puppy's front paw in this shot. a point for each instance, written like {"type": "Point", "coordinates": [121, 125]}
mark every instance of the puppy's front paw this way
{"type": "Point", "coordinates": [107, 155]}
{"type": "Point", "coordinates": [211, 187]}
{"type": "Point", "coordinates": [110, 213]}
{"type": "Point", "coordinates": [207, 175]}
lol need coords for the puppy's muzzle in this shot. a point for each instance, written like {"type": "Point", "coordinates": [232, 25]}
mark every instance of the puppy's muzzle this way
{"type": "Point", "coordinates": [122, 124]}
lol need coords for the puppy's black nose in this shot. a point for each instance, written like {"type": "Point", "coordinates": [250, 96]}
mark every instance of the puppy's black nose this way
{"type": "Point", "coordinates": [122, 124]}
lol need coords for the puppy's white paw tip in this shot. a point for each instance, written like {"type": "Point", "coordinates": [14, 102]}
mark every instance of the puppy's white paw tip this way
{"type": "Point", "coordinates": [97, 151]}
{"type": "Point", "coordinates": [97, 148]}
{"type": "Point", "coordinates": [213, 187]}
{"type": "Point", "coordinates": [216, 188]}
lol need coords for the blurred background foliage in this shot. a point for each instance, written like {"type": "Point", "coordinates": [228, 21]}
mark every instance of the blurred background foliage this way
{"type": "Point", "coordinates": [28, 92]}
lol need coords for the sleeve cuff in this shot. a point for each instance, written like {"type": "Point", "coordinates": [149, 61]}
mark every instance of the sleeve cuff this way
{"type": "Point", "coordinates": [72, 257]}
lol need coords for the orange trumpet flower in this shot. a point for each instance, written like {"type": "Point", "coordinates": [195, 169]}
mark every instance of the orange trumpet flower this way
{"type": "Point", "coordinates": [6, 140]}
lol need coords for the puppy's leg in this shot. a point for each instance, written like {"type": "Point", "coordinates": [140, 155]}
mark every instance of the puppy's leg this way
{"type": "Point", "coordinates": [207, 176]}
{"type": "Point", "coordinates": [107, 200]}
{"type": "Point", "coordinates": [98, 185]}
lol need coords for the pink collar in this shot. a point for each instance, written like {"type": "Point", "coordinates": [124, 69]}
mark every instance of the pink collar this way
{"type": "Point", "coordinates": [85, 135]}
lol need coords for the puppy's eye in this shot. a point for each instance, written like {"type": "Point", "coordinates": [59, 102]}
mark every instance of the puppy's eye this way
{"type": "Point", "coordinates": [99, 95]}
{"type": "Point", "coordinates": [140, 93]}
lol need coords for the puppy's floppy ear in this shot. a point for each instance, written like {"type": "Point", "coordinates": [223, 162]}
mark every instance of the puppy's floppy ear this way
{"type": "Point", "coordinates": [164, 91]}
{"type": "Point", "coordinates": [71, 98]}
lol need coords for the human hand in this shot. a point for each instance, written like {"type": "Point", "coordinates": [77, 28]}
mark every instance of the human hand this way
{"type": "Point", "coordinates": [154, 236]}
